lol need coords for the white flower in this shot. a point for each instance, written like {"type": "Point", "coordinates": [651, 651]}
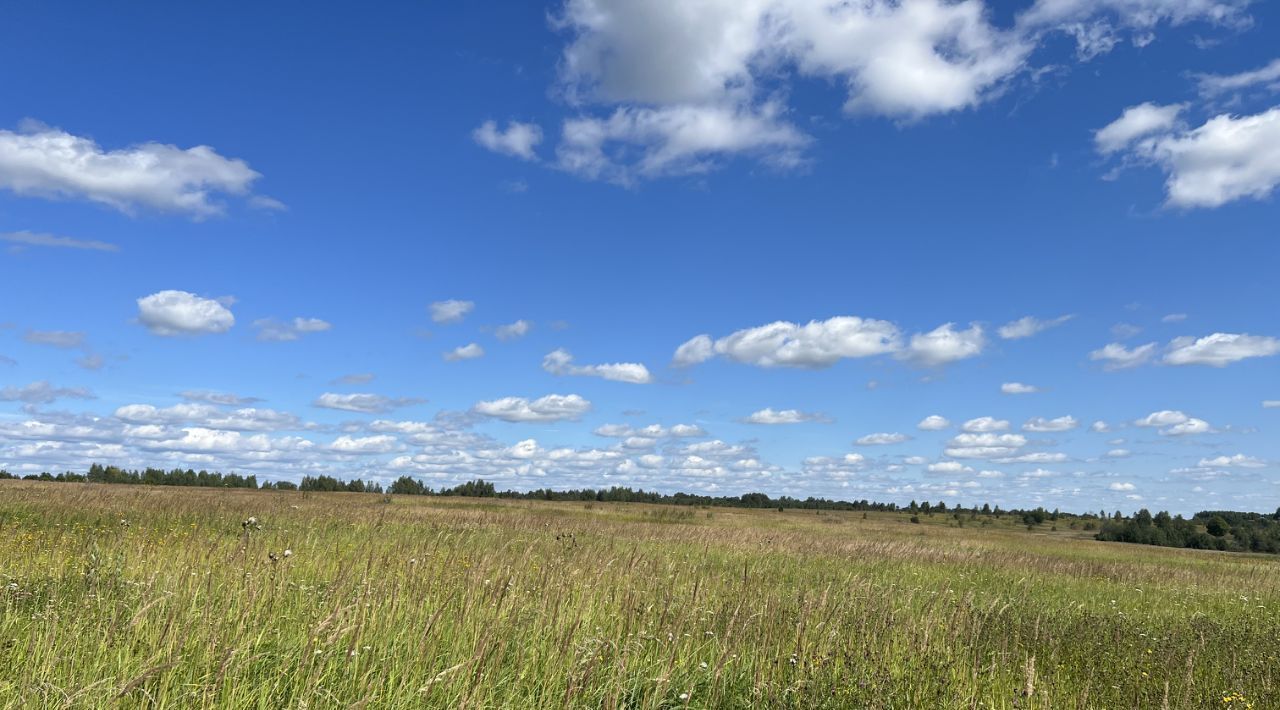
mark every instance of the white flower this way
{"type": "Point", "coordinates": [288, 553]}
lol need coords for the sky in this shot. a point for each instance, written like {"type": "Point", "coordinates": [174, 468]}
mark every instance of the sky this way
{"type": "Point", "coordinates": [1018, 253]}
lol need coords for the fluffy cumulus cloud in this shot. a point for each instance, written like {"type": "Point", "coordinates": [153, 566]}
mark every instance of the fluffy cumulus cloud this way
{"type": "Point", "coordinates": [717, 89]}
{"type": "Point", "coordinates": [551, 408]}
{"type": "Point", "coordinates": [945, 344]}
{"type": "Point", "coordinates": [820, 344]}
{"type": "Point", "coordinates": [769, 415]}
{"type": "Point", "coordinates": [518, 139]}
{"type": "Point", "coordinates": [1219, 349]}
{"type": "Point", "coordinates": [933, 422]}
{"type": "Point", "coordinates": [362, 403]}
{"type": "Point", "coordinates": [48, 162]}
{"type": "Point", "coordinates": [208, 416]}
{"type": "Point", "coordinates": [272, 330]}
{"type": "Point", "coordinates": [987, 445]}
{"type": "Point", "coordinates": [560, 362]}
{"type": "Point", "coordinates": [1172, 422]}
{"type": "Point", "coordinates": [181, 313]}
{"type": "Point", "coordinates": [41, 392]}
{"type": "Point", "coordinates": [816, 344]}
{"type": "Point", "coordinates": [1028, 326]}
{"type": "Point", "coordinates": [451, 311]}
{"type": "Point", "coordinates": [470, 351]}
{"type": "Point", "coordinates": [697, 349]}
{"type": "Point", "coordinates": [1227, 158]}
{"type": "Point", "coordinates": [1018, 388]}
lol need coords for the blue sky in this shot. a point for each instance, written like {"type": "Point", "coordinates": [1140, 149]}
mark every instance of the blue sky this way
{"type": "Point", "coordinates": [740, 237]}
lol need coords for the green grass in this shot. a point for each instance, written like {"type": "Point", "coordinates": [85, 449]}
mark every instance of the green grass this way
{"type": "Point", "coordinates": [156, 597]}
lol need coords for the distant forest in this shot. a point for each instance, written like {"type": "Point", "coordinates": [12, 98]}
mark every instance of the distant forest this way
{"type": "Point", "coordinates": [1210, 530]}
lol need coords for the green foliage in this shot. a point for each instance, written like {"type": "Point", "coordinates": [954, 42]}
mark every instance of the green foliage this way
{"type": "Point", "coordinates": [1209, 530]}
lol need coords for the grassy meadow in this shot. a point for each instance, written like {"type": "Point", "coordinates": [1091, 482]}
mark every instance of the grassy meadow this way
{"type": "Point", "coordinates": [162, 597]}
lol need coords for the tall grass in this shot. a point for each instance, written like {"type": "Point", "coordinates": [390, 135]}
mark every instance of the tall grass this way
{"type": "Point", "coordinates": [163, 598]}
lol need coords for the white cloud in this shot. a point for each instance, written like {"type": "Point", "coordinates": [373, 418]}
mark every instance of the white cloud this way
{"type": "Point", "coordinates": [1174, 318]}
{"type": "Point", "coordinates": [1122, 487]}
{"type": "Point", "coordinates": [697, 349]}
{"type": "Point", "coordinates": [1271, 404]}
{"type": "Point", "coordinates": [1028, 326]}
{"type": "Point", "coordinates": [933, 422]}
{"type": "Point", "coordinates": [1219, 349]}
{"type": "Point", "coordinates": [985, 424]}
{"type": "Point", "coordinates": [676, 140]}
{"type": "Point", "coordinates": [41, 392]}
{"type": "Point", "coordinates": [519, 139]}
{"type": "Point", "coordinates": [470, 351]}
{"type": "Point", "coordinates": [1116, 356]}
{"type": "Point", "coordinates": [1097, 25]}
{"type": "Point", "coordinates": [272, 330]}
{"type": "Point", "coordinates": [984, 445]}
{"type": "Point", "coordinates": [1018, 388]}
{"type": "Point", "coordinates": [363, 403]}
{"type": "Point", "coordinates": [945, 344]}
{"type": "Point", "coordinates": [451, 311]}
{"type": "Point", "coordinates": [1164, 417]}
{"type": "Point", "coordinates": [1037, 457]}
{"type": "Point", "coordinates": [1136, 122]}
{"type": "Point", "coordinates": [1119, 454]}
{"type": "Point", "coordinates": [208, 416]}
{"type": "Point", "coordinates": [48, 162]}
{"type": "Point", "coordinates": [1216, 84]}
{"type": "Point", "coordinates": [23, 239]}
{"type": "Point", "coordinates": [1040, 424]}
{"type": "Point", "coordinates": [891, 58]}
{"type": "Point", "coordinates": [769, 415]}
{"type": "Point", "coordinates": [379, 444]}
{"type": "Point", "coordinates": [948, 467]}
{"type": "Point", "coordinates": [1100, 427]}
{"type": "Point", "coordinates": [816, 344]}
{"type": "Point", "coordinates": [513, 331]}
{"type": "Point", "coordinates": [882, 438]}
{"type": "Point", "coordinates": [1227, 158]}
{"type": "Point", "coordinates": [560, 362]}
{"type": "Point", "coordinates": [1238, 460]}
{"type": "Point", "coordinates": [1174, 423]}
{"type": "Point", "coordinates": [181, 313]}
{"type": "Point", "coordinates": [551, 408]}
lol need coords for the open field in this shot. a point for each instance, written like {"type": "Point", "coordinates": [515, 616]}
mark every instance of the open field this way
{"type": "Point", "coordinates": [157, 597]}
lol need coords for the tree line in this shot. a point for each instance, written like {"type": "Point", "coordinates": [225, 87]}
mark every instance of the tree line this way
{"type": "Point", "coordinates": [1209, 530]}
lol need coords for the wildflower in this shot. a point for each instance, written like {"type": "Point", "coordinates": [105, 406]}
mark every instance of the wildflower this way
{"type": "Point", "coordinates": [684, 697]}
{"type": "Point", "coordinates": [288, 553]}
